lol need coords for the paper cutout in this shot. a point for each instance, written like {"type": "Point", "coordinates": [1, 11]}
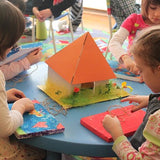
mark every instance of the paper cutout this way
{"type": "Point", "coordinates": [102, 45]}
{"type": "Point", "coordinates": [122, 72]}
{"type": "Point", "coordinates": [80, 65]}
{"type": "Point", "coordinates": [18, 54]}
{"type": "Point", "coordinates": [81, 62]}
{"type": "Point", "coordinates": [37, 123]}
{"type": "Point", "coordinates": [130, 121]}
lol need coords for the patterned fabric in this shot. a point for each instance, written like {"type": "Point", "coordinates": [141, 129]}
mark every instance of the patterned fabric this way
{"type": "Point", "coordinates": [152, 128]}
{"type": "Point", "coordinates": [133, 24]}
{"type": "Point", "coordinates": [76, 14]}
{"type": "Point", "coordinates": [125, 151]}
{"type": "Point", "coordinates": [121, 9]}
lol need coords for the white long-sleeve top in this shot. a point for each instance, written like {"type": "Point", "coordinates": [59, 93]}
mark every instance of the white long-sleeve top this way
{"type": "Point", "coordinates": [10, 120]}
{"type": "Point", "coordinates": [115, 44]}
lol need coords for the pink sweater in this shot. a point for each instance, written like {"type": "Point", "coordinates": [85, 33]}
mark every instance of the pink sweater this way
{"type": "Point", "coordinates": [129, 29]}
{"type": "Point", "coordinates": [14, 68]}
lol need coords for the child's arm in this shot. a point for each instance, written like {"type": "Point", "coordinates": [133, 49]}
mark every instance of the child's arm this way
{"type": "Point", "coordinates": [150, 149]}
{"type": "Point", "coordinates": [142, 101]}
{"type": "Point", "coordinates": [14, 68]}
{"type": "Point", "coordinates": [122, 146]}
{"type": "Point", "coordinates": [115, 44]}
{"type": "Point", "coordinates": [113, 126]}
{"type": "Point", "coordinates": [10, 120]}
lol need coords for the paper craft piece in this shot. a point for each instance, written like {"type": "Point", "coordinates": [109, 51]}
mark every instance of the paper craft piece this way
{"type": "Point", "coordinates": [38, 122]}
{"type": "Point", "coordinates": [122, 72]}
{"type": "Point", "coordinates": [129, 122]}
{"type": "Point", "coordinates": [17, 54]}
{"type": "Point", "coordinates": [101, 44]}
{"type": "Point", "coordinates": [79, 75]}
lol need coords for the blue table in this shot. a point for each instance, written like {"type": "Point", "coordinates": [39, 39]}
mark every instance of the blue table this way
{"type": "Point", "coordinates": [76, 139]}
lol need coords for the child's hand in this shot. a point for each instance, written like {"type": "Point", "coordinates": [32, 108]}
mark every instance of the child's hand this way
{"type": "Point", "coordinates": [23, 105]}
{"type": "Point", "coordinates": [130, 64]}
{"type": "Point", "coordinates": [35, 56]}
{"type": "Point", "coordinates": [14, 95]}
{"type": "Point", "coordinates": [141, 100]}
{"type": "Point", "coordinates": [113, 126]}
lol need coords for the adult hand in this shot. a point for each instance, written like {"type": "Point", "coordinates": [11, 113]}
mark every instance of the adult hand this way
{"type": "Point", "coordinates": [38, 14]}
{"type": "Point", "coordinates": [14, 95]}
{"type": "Point", "coordinates": [141, 100]}
{"type": "Point", "coordinates": [46, 13]}
{"type": "Point", "coordinates": [113, 126]}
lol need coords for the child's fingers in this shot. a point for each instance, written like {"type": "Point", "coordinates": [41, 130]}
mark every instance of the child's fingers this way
{"type": "Point", "coordinates": [136, 108]}
{"type": "Point", "coordinates": [36, 51]}
{"type": "Point", "coordinates": [130, 99]}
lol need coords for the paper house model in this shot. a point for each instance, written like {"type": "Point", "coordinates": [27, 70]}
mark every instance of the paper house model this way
{"type": "Point", "coordinates": [80, 65]}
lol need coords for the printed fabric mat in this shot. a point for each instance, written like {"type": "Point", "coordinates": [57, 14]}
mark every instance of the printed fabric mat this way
{"type": "Point", "coordinates": [101, 38]}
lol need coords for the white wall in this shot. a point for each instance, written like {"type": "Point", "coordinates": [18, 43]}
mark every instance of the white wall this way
{"type": "Point", "coordinates": [95, 4]}
{"type": "Point", "coordinates": [99, 4]}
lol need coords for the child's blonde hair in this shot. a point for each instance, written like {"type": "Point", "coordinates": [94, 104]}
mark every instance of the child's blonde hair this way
{"type": "Point", "coordinates": [147, 46]}
{"type": "Point", "coordinates": [12, 26]}
{"type": "Point", "coordinates": [145, 6]}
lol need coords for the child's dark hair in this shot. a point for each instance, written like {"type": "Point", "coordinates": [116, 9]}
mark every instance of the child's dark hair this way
{"type": "Point", "coordinates": [147, 46]}
{"type": "Point", "coordinates": [20, 4]}
{"type": "Point", "coordinates": [12, 26]}
{"type": "Point", "coordinates": [145, 6]}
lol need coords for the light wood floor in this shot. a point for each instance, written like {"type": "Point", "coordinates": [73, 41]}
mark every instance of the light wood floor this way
{"type": "Point", "coordinates": [96, 19]}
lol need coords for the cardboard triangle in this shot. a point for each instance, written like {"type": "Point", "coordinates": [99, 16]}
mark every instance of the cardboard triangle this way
{"type": "Point", "coordinates": [92, 64]}
{"type": "Point", "coordinates": [64, 62]}
{"type": "Point", "coordinates": [81, 62]}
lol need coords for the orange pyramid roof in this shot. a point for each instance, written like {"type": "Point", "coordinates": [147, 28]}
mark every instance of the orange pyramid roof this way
{"type": "Point", "coordinates": [81, 62]}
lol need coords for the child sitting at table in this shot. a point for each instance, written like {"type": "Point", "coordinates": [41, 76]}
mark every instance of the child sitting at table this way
{"type": "Point", "coordinates": [14, 68]}
{"type": "Point", "coordinates": [11, 28]}
{"type": "Point", "coordinates": [150, 13]}
{"type": "Point", "coordinates": [147, 42]}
